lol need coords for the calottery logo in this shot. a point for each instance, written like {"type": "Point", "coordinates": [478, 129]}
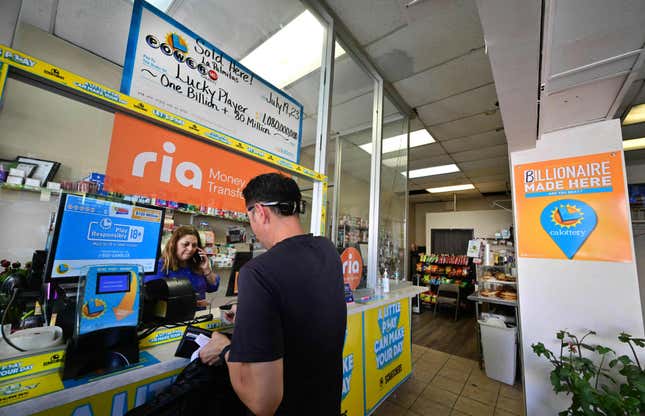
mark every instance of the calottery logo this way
{"type": "Point", "coordinates": [569, 223]}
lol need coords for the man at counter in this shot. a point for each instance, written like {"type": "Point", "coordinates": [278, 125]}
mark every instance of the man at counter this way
{"type": "Point", "coordinates": [285, 357]}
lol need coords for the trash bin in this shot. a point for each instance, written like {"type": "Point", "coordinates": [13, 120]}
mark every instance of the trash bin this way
{"type": "Point", "coordinates": [498, 343]}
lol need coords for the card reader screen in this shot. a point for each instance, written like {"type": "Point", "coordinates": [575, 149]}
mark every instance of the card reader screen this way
{"type": "Point", "coordinates": [112, 283]}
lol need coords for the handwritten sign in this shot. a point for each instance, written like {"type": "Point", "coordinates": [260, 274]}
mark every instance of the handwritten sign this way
{"type": "Point", "coordinates": [173, 68]}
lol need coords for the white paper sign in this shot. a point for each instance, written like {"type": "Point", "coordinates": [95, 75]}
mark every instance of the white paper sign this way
{"type": "Point", "coordinates": [171, 67]}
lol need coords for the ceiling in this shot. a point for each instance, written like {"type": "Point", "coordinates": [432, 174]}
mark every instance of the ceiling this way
{"type": "Point", "coordinates": [431, 52]}
{"type": "Point", "coordinates": [435, 55]}
{"type": "Point", "coordinates": [591, 67]}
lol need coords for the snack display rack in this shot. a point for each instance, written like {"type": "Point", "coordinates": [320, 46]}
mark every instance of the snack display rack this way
{"type": "Point", "coordinates": [435, 269]}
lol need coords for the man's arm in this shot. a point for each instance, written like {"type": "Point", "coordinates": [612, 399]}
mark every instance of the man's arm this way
{"type": "Point", "coordinates": [258, 385]}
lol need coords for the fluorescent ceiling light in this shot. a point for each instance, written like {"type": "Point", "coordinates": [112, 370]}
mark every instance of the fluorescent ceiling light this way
{"type": "Point", "coordinates": [634, 144]}
{"type": "Point", "coordinates": [431, 171]}
{"type": "Point", "coordinates": [417, 138]}
{"type": "Point", "coordinates": [635, 115]}
{"type": "Point", "coordinates": [291, 53]}
{"type": "Point", "coordinates": [454, 188]}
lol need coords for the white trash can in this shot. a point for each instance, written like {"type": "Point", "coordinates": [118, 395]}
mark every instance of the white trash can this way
{"type": "Point", "coordinates": [499, 345]}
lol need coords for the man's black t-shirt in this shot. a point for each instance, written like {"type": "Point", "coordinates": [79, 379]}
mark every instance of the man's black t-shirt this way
{"type": "Point", "coordinates": [291, 305]}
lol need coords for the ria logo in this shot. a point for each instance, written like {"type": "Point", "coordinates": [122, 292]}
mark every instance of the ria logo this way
{"type": "Point", "coordinates": [188, 174]}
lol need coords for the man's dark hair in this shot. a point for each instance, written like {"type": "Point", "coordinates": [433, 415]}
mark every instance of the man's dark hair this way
{"type": "Point", "coordinates": [274, 187]}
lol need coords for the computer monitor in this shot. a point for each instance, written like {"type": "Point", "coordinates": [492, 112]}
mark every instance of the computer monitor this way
{"type": "Point", "coordinates": [91, 231]}
{"type": "Point", "coordinates": [241, 257]}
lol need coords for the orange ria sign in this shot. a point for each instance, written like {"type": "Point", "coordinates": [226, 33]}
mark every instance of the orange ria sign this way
{"type": "Point", "coordinates": [151, 161]}
{"type": "Point", "coordinates": [352, 266]}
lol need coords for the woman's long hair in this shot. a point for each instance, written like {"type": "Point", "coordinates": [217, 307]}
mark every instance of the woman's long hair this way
{"type": "Point", "coordinates": [170, 260]}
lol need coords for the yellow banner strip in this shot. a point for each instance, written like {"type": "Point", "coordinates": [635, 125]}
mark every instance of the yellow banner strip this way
{"type": "Point", "coordinates": [121, 101]}
{"type": "Point", "coordinates": [31, 364]}
{"type": "Point", "coordinates": [165, 335]}
{"type": "Point", "coordinates": [30, 387]}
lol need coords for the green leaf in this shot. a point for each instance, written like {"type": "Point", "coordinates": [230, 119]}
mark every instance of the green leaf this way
{"type": "Point", "coordinates": [603, 350]}
{"type": "Point", "coordinates": [559, 335]}
{"type": "Point", "coordinates": [588, 347]}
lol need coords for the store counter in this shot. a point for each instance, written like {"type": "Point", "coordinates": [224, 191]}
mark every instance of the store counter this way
{"type": "Point", "coordinates": [376, 360]}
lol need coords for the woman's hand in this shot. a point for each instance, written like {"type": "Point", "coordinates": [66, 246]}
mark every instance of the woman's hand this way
{"type": "Point", "coordinates": [205, 265]}
{"type": "Point", "coordinates": [203, 303]}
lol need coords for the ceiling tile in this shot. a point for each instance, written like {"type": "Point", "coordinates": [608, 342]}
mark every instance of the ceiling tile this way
{"type": "Point", "coordinates": [459, 106]}
{"type": "Point", "coordinates": [37, 13]}
{"type": "Point", "coordinates": [485, 152]}
{"type": "Point", "coordinates": [478, 141]}
{"type": "Point", "coordinates": [429, 40]}
{"type": "Point", "coordinates": [426, 151]}
{"type": "Point", "coordinates": [587, 31]}
{"type": "Point", "coordinates": [236, 26]}
{"type": "Point", "coordinates": [430, 161]}
{"type": "Point", "coordinates": [467, 127]}
{"type": "Point", "coordinates": [369, 19]}
{"type": "Point", "coordinates": [96, 25]}
{"type": "Point", "coordinates": [492, 187]}
{"type": "Point", "coordinates": [492, 165]}
{"type": "Point", "coordinates": [579, 105]}
{"type": "Point", "coordinates": [469, 71]}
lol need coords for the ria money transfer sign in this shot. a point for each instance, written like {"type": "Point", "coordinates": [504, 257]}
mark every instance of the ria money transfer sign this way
{"type": "Point", "coordinates": [388, 352]}
{"type": "Point", "coordinates": [573, 208]}
{"type": "Point", "coordinates": [171, 67]}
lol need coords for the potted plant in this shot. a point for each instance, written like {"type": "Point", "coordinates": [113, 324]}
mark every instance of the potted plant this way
{"type": "Point", "coordinates": [614, 387]}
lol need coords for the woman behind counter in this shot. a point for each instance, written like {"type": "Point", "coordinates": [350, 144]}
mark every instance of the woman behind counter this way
{"type": "Point", "coordinates": [177, 261]}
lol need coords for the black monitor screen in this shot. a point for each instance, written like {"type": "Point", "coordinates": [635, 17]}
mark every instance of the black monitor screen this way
{"type": "Point", "coordinates": [240, 260]}
{"type": "Point", "coordinates": [112, 283]}
{"type": "Point", "coordinates": [91, 231]}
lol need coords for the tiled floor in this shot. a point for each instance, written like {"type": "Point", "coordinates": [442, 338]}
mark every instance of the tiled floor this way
{"type": "Point", "coordinates": [444, 384]}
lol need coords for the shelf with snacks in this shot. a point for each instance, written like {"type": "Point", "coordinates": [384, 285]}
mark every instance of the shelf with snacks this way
{"type": "Point", "coordinates": [435, 269]}
{"type": "Point", "coordinates": [25, 188]}
{"type": "Point", "coordinates": [352, 231]}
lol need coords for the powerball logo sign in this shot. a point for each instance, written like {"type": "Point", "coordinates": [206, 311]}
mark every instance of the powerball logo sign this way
{"type": "Point", "coordinates": [569, 208]}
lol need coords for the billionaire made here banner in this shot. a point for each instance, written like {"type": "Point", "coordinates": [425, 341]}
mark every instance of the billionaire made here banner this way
{"type": "Point", "coordinates": [388, 352]}
{"type": "Point", "coordinates": [171, 67]}
{"type": "Point", "coordinates": [573, 208]}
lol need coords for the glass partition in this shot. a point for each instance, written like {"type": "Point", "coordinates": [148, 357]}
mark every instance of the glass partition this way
{"type": "Point", "coordinates": [392, 213]}
{"type": "Point", "coordinates": [351, 126]}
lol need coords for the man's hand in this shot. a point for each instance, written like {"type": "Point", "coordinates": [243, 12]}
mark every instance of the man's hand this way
{"type": "Point", "coordinates": [230, 314]}
{"type": "Point", "coordinates": [210, 353]}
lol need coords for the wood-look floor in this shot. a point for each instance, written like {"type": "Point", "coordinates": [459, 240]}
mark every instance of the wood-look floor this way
{"type": "Point", "coordinates": [442, 333]}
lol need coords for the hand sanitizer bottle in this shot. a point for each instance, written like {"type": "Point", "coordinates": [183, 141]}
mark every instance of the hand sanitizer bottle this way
{"type": "Point", "coordinates": [386, 281]}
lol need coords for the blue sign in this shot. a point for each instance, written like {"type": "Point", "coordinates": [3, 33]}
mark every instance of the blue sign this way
{"type": "Point", "coordinates": [94, 231]}
{"type": "Point", "coordinates": [569, 223]}
{"type": "Point", "coordinates": [110, 297]}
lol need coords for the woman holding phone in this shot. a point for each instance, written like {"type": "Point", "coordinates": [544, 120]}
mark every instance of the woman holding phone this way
{"type": "Point", "coordinates": [184, 256]}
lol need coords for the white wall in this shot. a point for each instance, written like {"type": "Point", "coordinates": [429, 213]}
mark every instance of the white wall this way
{"type": "Point", "coordinates": [573, 295]}
{"type": "Point", "coordinates": [484, 223]}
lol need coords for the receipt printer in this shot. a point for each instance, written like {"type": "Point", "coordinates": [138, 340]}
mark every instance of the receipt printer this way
{"type": "Point", "coordinates": [169, 300]}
